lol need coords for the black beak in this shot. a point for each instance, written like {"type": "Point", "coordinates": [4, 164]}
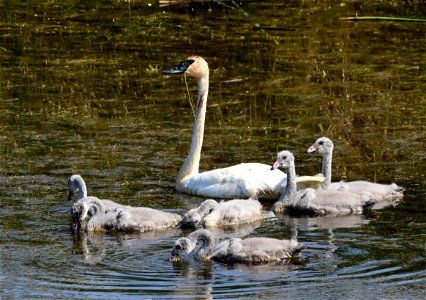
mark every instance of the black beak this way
{"type": "Point", "coordinates": [179, 68]}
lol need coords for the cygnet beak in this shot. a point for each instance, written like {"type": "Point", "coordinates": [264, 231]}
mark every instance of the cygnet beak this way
{"type": "Point", "coordinates": [312, 149]}
{"type": "Point", "coordinates": [276, 165]}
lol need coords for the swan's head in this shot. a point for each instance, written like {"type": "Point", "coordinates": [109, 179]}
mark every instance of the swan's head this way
{"type": "Point", "coordinates": [79, 212]}
{"type": "Point", "coordinates": [183, 246]}
{"type": "Point", "coordinates": [194, 66]}
{"type": "Point", "coordinates": [205, 214]}
{"type": "Point", "coordinates": [75, 187]}
{"type": "Point", "coordinates": [284, 159]}
{"type": "Point", "coordinates": [322, 145]}
{"type": "Point", "coordinates": [191, 219]}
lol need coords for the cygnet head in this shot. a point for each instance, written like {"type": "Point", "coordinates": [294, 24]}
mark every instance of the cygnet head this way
{"type": "Point", "coordinates": [197, 216]}
{"type": "Point", "coordinates": [76, 188]}
{"type": "Point", "coordinates": [322, 145]}
{"type": "Point", "coordinates": [182, 247]}
{"type": "Point", "coordinates": [79, 212]}
{"type": "Point", "coordinates": [194, 66]}
{"type": "Point", "coordinates": [191, 219]}
{"type": "Point", "coordinates": [284, 159]}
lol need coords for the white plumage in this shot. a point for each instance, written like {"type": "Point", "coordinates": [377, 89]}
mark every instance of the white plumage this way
{"type": "Point", "coordinates": [248, 180]}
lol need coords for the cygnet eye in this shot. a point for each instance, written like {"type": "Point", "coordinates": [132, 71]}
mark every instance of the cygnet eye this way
{"type": "Point", "coordinates": [321, 143]}
{"type": "Point", "coordinates": [284, 157]}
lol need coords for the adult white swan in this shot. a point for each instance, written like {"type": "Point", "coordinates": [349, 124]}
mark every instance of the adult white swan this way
{"type": "Point", "coordinates": [245, 180]}
{"type": "Point", "coordinates": [378, 191]}
{"type": "Point", "coordinates": [200, 245]}
{"type": "Point", "coordinates": [314, 202]}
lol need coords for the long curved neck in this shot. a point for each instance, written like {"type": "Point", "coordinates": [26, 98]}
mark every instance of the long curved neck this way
{"type": "Point", "coordinates": [326, 168]}
{"type": "Point", "coordinates": [291, 186]}
{"type": "Point", "coordinates": [97, 210]}
{"type": "Point", "coordinates": [82, 190]}
{"type": "Point", "coordinates": [192, 162]}
{"type": "Point", "coordinates": [207, 243]}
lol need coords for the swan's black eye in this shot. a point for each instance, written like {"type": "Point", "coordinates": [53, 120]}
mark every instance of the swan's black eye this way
{"type": "Point", "coordinates": [284, 157]}
{"type": "Point", "coordinates": [178, 247]}
{"type": "Point", "coordinates": [321, 143]}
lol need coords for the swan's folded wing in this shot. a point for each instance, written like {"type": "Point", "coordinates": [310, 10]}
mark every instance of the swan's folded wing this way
{"type": "Point", "coordinates": [240, 211]}
{"type": "Point", "coordinates": [378, 191]}
{"type": "Point", "coordinates": [240, 181]}
{"type": "Point", "coordinates": [256, 250]}
{"type": "Point", "coordinates": [146, 219]}
{"type": "Point", "coordinates": [111, 205]}
{"type": "Point", "coordinates": [304, 182]}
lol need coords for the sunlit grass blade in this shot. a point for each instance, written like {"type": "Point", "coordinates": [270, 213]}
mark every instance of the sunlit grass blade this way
{"type": "Point", "coordinates": [375, 18]}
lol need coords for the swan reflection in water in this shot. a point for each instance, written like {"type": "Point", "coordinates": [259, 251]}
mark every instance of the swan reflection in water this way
{"type": "Point", "coordinates": [93, 245]}
{"type": "Point", "coordinates": [194, 279]}
{"type": "Point", "coordinates": [326, 224]}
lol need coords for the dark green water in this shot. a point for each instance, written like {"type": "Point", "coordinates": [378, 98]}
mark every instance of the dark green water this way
{"type": "Point", "coordinates": [81, 91]}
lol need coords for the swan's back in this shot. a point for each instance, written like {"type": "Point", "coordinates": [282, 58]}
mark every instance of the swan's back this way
{"type": "Point", "coordinates": [225, 213]}
{"type": "Point", "coordinates": [239, 211]}
{"type": "Point", "coordinates": [322, 202]}
{"type": "Point", "coordinates": [375, 190]}
{"type": "Point", "coordinates": [312, 202]}
{"type": "Point", "coordinates": [256, 250]}
{"type": "Point", "coordinates": [145, 219]}
{"type": "Point", "coordinates": [111, 205]}
{"type": "Point", "coordinates": [239, 181]}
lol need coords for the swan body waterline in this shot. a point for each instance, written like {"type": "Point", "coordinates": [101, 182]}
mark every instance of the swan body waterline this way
{"type": "Point", "coordinates": [247, 180]}
{"type": "Point", "coordinates": [200, 245]}
{"type": "Point", "coordinates": [210, 213]}
{"type": "Point", "coordinates": [377, 191]}
{"type": "Point", "coordinates": [314, 202]}
{"type": "Point", "coordinates": [77, 190]}
{"type": "Point", "coordinates": [129, 219]}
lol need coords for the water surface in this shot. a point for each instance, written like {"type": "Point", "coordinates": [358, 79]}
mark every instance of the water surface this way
{"type": "Point", "coordinates": [81, 91]}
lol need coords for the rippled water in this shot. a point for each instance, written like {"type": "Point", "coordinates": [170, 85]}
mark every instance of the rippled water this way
{"type": "Point", "coordinates": [81, 91]}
